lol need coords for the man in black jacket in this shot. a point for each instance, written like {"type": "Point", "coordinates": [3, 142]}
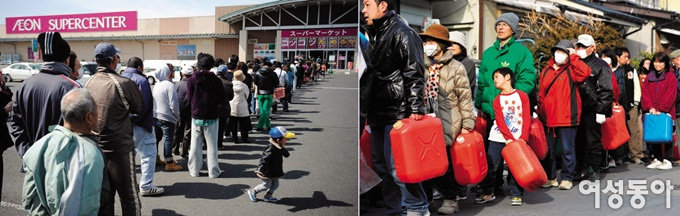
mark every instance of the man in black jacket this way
{"type": "Point", "coordinates": [183, 131]}
{"type": "Point", "coordinates": [266, 81]}
{"type": "Point", "coordinates": [396, 92]}
{"type": "Point", "coordinates": [225, 109]}
{"type": "Point", "coordinates": [597, 97]}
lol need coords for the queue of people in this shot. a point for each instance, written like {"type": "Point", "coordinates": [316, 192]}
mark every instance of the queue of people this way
{"type": "Point", "coordinates": [573, 96]}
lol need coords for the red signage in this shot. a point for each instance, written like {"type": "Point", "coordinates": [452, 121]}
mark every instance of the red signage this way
{"type": "Point", "coordinates": [92, 22]}
{"type": "Point", "coordinates": [320, 32]}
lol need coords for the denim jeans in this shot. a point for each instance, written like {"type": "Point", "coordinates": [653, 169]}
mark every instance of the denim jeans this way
{"type": "Point", "coordinates": [397, 195]}
{"type": "Point", "coordinates": [269, 185]}
{"type": "Point", "coordinates": [168, 129]}
{"type": "Point", "coordinates": [567, 136]}
{"type": "Point", "coordinates": [495, 159]}
{"type": "Point", "coordinates": [198, 135]}
{"type": "Point", "coordinates": [145, 145]}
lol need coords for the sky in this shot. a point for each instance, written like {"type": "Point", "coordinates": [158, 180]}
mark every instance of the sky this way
{"type": "Point", "coordinates": [145, 8]}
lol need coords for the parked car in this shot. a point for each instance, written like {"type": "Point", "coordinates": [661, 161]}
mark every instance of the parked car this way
{"type": "Point", "coordinates": [20, 71]}
{"type": "Point", "coordinates": [87, 70]}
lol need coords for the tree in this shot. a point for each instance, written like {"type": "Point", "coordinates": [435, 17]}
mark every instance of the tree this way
{"type": "Point", "coordinates": [549, 30]}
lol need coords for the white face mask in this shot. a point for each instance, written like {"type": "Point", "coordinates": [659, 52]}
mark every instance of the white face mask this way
{"type": "Point", "coordinates": [118, 67]}
{"type": "Point", "coordinates": [582, 53]}
{"type": "Point", "coordinates": [560, 58]}
{"type": "Point", "coordinates": [431, 49]}
{"type": "Point", "coordinates": [608, 60]}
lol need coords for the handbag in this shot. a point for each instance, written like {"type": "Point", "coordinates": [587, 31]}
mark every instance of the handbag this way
{"type": "Point", "coordinates": [279, 92]}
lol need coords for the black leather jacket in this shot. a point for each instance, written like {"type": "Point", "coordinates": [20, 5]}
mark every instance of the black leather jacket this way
{"type": "Point", "coordinates": [596, 92]}
{"type": "Point", "coordinates": [395, 85]}
{"type": "Point", "coordinates": [271, 163]}
{"type": "Point", "coordinates": [266, 80]}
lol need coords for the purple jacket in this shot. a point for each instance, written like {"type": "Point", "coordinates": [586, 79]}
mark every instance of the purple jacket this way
{"type": "Point", "coordinates": [145, 119]}
{"type": "Point", "coordinates": [205, 93]}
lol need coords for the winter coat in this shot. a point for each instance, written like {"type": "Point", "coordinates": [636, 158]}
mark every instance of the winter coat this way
{"type": "Point", "coordinates": [145, 119]}
{"type": "Point", "coordinates": [266, 80]}
{"type": "Point", "coordinates": [239, 104]}
{"type": "Point", "coordinates": [660, 92]}
{"type": "Point", "coordinates": [514, 56]}
{"type": "Point", "coordinates": [205, 92]}
{"type": "Point", "coordinates": [271, 163]}
{"type": "Point", "coordinates": [397, 87]}
{"type": "Point", "coordinates": [454, 100]}
{"type": "Point", "coordinates": [37, 104]}
{"type": "Point", "coordinates": [597, 92]}
{"type": "Point", "coordinates": [113, 122]}
{"type": "Point", "coordinates": [5, 138]}
{"type": "Point", "coordinates": [225, 109]}
{"type": "Point", "coordinates": [184, 104]}
{"type": "Point", "coordinates": [560, 105]}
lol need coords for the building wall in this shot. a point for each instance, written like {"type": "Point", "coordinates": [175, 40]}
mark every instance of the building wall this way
{"type": "Point", "coordinates": [224, 48]}
{"type": "Point", "coordinates": [223, 27]}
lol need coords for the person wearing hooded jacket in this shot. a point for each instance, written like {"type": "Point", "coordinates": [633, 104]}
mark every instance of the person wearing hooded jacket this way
{"type": "Point", "coordinates": [559, 107]}
{"type": "Point", "coordinates": [166, 113]}
{"type": "Point", "coordinates": [240, 118]}
{"type": "Point", "coordinates": [460, 54]}
{"type": "Point", "coordinates": [36, 104]}
{"type": "Point", "coordinates": [597, 96]}
{"type": "Point", "coordinates": [449, 98]}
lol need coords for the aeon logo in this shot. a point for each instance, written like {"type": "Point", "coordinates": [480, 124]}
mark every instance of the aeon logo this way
{"type": "Point", "coordinates": [27, 25]}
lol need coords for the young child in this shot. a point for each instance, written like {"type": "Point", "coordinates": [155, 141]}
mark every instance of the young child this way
{"type": "Point", "coordinates": [271, 164]}
{"type": "Point", "coordinates": [513, 121]}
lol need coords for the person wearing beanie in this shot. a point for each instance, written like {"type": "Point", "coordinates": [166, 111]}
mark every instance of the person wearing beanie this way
{"type": "Point", "coordinates": [226, 78]}
{"type": "Point", "coordinates": [447, 95]}
{"type": "Point", "coordinates": [270, 168]}
{"type": "Point", "coordinates": [240, 117]}
{"type": "Point", "coordinates": [37, 103]}
{"type": "Point", "coordinates": [183, 131]}
{"type": "Point", "coordinates": [395, 92]}
{"type": "Point", "coordinates": [505, 52]}
{"type": "Point", "coordinates": [459, 50]}
{"type": "Point", "coordinates": [117, 98]}
{"type": "Point", "coordinates": [559, 107]}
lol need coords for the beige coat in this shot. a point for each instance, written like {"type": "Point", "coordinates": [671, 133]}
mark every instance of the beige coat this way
{"type": "Point", "coordinates": [454, 97]}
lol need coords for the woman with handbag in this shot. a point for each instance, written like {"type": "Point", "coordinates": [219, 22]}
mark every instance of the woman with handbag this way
{"type": "Point", "coordinates": [659, 91]}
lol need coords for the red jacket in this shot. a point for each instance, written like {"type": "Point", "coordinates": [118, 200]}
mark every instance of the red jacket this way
{"type": "Point", "coordinates": [560, 106]}
{"type": "Point", "coordinates": [615, 88]}
{"type": "Point", "coordinates": [660, 92]}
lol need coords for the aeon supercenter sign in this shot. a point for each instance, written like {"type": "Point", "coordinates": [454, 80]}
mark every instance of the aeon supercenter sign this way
{"type": "Point", "coordinates": [92, 22]}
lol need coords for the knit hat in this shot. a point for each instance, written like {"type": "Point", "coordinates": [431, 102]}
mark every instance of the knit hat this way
{"type": "Point", "coordinates": [437, 32]}
{"type": "Point", "coordinates": [458, 37]}
{"type": "Point", "coordinates": [188, 70]}
{"type": "Point", "coordinates": [675, 54]}
{"type": "Point", "coordinates": [563, 45]}
{"type": "Point", "coordinates": [53, 47]}
{"type": "Point", "coordinates": [280, 132]}
{"type": "Point", "coordinates": [511, 19]}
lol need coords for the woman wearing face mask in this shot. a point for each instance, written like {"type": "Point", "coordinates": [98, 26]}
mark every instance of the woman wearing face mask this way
{"type": "Point", "coordinates": [659, 91]}
{"type": "Point", "coordinates": [608, 55]}
{"type": "Point", "coordinates": [448, 97]}
{"type": "Point", "coordinates": [559, 107]}
{"type": "Point", "coordinates": [74, 64]}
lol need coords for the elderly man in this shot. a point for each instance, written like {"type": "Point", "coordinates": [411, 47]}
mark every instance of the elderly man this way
{"type": "Point", "coordinates": [116, 97]}
{"type": "Point", "coordinates": [65, 168]}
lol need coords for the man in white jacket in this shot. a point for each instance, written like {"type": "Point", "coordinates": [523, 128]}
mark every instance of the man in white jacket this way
{"type": "Point", "coordinates": [166, 113]}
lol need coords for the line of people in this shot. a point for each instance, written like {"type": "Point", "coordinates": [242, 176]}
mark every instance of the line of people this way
{"type": "Point", "coordinates": [572, 96]}
{"type": "Point", "coordinates": [79, 141]}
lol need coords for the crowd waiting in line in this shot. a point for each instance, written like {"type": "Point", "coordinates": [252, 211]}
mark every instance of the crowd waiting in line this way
{"type": "Point", "coordinates": [572, 96]}
{"type": "Point", "coordinates": [78, 141]}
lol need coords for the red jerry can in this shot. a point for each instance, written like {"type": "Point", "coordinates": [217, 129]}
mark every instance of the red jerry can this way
{"type": "Point", "coordinates": [537, 139]}
{"type": "Point", "coordinates": [468, 159]}
{"type": "Point", "coordinates": [524, 165]}
{"type": "Point", "coordinates": [480, 127]}
{"type": "Point", "coordinates": [418, 149]}
{"type": "Point", "coordinates": [365, 146]}
{"type": "Point", "coordinates": [614, 130]}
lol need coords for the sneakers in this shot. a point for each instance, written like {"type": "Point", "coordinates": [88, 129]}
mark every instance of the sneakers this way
{"type": "Point", "coordinates": [666, 165]}
{"type": "Point", "coordinates": [637, 161]}
{"type": "Point", "coordinates": [612, 164]}
{"type": "Point", "coordinates": [654, 165]}
{"type": "Point", "coordinates": [550, 183]}
{"type": "Point", "coordinates": [436, 194]}
{"type": "Point", "coordinates": [485, 199]}
{"type": "Point", "coordinates": [251, 195]}
{"type": "Point", "coordinates": [172, 166]}
{"type": "Point", "coordinates": [153, 191]}
{"type": "Point", "coordinates": [270, 199]}
{"type": "Point", "coordinates": [566, 185]}
{"type": "Point", "coordinates": [448, 207]}
{"type": "Point", "coordinates": [459, 197]}
{"type": "Point", "coordinates": [516, 201]}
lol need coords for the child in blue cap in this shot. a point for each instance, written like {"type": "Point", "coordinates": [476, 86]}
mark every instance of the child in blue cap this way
{"type": "Point", "coordinates": [271, 164]}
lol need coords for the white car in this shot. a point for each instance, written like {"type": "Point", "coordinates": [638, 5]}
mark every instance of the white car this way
{"type": "Point", "coordinates": [150, 73]}
{"type": "Point", "coordinates": [20, 71]}
{"type": "Point", "coordinates": [87, 70]}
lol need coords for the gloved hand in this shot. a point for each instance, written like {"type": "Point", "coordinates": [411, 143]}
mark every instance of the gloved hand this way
{"type": "Point", "coordinates": [600, 118]}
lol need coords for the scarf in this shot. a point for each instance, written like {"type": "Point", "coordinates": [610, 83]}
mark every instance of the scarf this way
{"type": "Point", "coordinates": [432, 87]}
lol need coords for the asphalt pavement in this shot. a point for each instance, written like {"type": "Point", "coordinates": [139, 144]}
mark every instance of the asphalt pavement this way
{"type": "Point", "coordinates": [321, 173]}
